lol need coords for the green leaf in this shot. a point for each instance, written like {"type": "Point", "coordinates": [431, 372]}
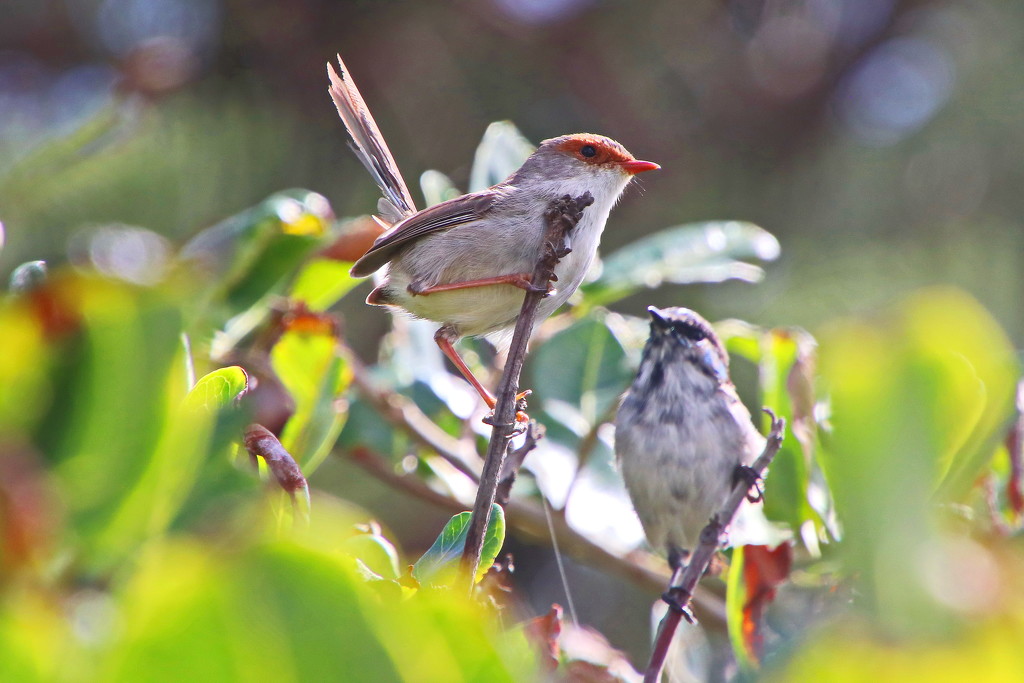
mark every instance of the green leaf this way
{"type": "Point", "coordinates": [111, 408]}
{"type": "Point", "coordinates": [26, 361]}
{"type": "Point", "coordinates": [321, 283]}
{"type": "Point", "coordinates": [285, 611]}
{"type": "Point", "coordinates": [110, 417]}
{"type": "Point", "coordinates": [850, 651]}
{"type": "Point", "coordinates": [376, 552]}
{"type": "Point", "coordinates": [440, 564]}
{"type": "Point", "coordinates": [494, 539]}
{"type": "Point", "coordinates": [502, 151]}
{"type": "Point", "coordinates": [697, 252]}
{"type": "Point", "coordinates": [735, 599]}
{"type": "Point", "coordinates": [36, 639]}
{"type": "Point", "coordinates": [255, 253]}
{"type": "Point", "coordinates": [920, 398]}
{"type": "Point", "coordinates": [782, 357]}
{"type": "Point", "coordinates": [312, 369]}
{"type": "Point", "coordinates": [189, 610]}
{"type": "Point", "coordinates": [785, 359]}
{"type": "Point", "coordinates": [584, 366]}
{"type": "Point", "coordinates": [741, 339]}
{"type": "Point", "coordinates": [216, 391]}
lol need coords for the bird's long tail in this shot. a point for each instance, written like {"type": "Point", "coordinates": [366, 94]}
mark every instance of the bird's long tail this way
{"type": "Point", "coordinates": [369, 145]}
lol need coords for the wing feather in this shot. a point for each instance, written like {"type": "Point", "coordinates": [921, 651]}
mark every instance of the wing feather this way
{"type": "Point", "coordinates": [443, 216]}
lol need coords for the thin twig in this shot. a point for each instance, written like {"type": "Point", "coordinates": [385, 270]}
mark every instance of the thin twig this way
{"type": "Point", "coordinates": [526, 519]}
{"type": "Point", "coordinates": [679, 595]}
{"type": "Point", "coordinates": [562, 216]}
{"type": "Point", "coordinates": [514, 460]}
{"type": "Point", "coordinates": [260, 441]}
{"type": "Point", "coordinates": [558, 561]}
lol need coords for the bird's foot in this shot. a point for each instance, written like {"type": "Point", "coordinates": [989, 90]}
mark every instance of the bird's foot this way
{"type": "Point", "coordinates": [526, 283]}
{"type": "Point", "coordinates": [750, 476]}
{"type": "Point", "coordinates": [522, 421]}
{"type": "Point", "coordinates": [677, 558]}
{"type": "Point", "coordinates": [678, 600]}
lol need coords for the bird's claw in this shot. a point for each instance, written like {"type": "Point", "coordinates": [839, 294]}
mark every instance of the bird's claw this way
{"type": "Point", "coordinates": [752, 478]}
{"type": "Point", "coordinates": [519, 426]}
{"type": "Point", "coordinates": [545, 291]}
{"type": "Point", "coordinates": [678, 601]}
{"type": "Point", "coordinates": [522, 419]}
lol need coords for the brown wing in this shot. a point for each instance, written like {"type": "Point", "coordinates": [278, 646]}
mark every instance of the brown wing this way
{"type": "Point", "coordinates": [369, 144]}
{"type": "Point", "coordinates": [441, 216]}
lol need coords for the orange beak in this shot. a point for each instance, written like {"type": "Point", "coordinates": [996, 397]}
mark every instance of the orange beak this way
{"type": "Point", "coordinates": [634, 167]}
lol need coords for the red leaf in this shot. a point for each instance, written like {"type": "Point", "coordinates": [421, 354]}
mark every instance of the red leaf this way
{"type": "Point", "coordinates": [543, 632]}
{"type": "Point", "coordinates": [764, 570]}
{"type": "Point", "coordinates": [1015, 447]}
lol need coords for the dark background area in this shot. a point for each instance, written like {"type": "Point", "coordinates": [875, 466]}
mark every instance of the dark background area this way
{"type": "Point", "coordinates": [879, 140]}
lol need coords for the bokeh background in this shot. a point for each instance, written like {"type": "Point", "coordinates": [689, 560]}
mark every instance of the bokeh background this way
{"type": "Point", "coordinates": [879, 140]}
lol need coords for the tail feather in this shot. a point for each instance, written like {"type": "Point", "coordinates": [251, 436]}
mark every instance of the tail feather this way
{"type": "Point", "coordinates": [369, 146]}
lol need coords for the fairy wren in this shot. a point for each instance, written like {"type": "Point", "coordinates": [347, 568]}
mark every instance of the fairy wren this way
{"type": "Point", "coordinates": [681, 432]}
{"type": "Point", "coordinates": [465, 262]}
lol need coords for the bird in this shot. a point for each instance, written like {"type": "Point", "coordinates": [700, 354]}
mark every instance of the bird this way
{"type": "Point", "coordinates": [682, 435]}
{"type": "Point", "coordinates": [466, 263]}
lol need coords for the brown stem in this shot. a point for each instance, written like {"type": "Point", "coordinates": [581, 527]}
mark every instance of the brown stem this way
{"type": "Point", "coordinates": [562, 216]}
{"type": "Point", "coordinates": [260, 441]}
{"type": "Point", "coordinates": [679, 596]}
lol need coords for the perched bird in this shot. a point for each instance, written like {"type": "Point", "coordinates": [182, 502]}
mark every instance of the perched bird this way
{"type": "Point", "coordinates": [466, 262]}
{"type": "Point", "coordinates": [681, 433]}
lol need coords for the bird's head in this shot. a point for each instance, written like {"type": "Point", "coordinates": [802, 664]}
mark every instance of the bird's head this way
{"type": "Point", "coordinates": [678, 330]}
{"type": "Point", "coordinates": [583, 161]}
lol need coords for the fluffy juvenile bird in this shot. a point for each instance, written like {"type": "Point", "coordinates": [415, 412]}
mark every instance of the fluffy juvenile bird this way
{"type": "Point", "coordinates": [466, 262]}
{"type": "Point", "coordinates": [681, 432]}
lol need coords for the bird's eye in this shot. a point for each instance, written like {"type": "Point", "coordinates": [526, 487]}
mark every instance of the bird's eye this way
{"type": "Point", "coordinates": [588, 151]}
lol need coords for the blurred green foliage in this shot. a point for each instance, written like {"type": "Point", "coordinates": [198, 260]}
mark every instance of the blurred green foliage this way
{"type": "Point", "coordinates": [134, 543]}
{"type": "Point", "coordinates": [137, 541]}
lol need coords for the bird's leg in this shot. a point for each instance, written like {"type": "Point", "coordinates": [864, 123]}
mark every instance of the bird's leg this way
{"type": "Point", "coordinates": [675, 597]}
{"type": "Point", "coordinates": [520, 280]}
{"type": "Point", "coordinates": [676, 561]}
{"type": "Point", "coordinates": [752, 479]}
{"type": "Point", "coordinates": [444, 338]}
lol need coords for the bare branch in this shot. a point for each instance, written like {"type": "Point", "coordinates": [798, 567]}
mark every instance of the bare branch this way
{"type": "Point", "coordinates": [679, 596]}
{"type": "Point", "coordinates": [562, 217]}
